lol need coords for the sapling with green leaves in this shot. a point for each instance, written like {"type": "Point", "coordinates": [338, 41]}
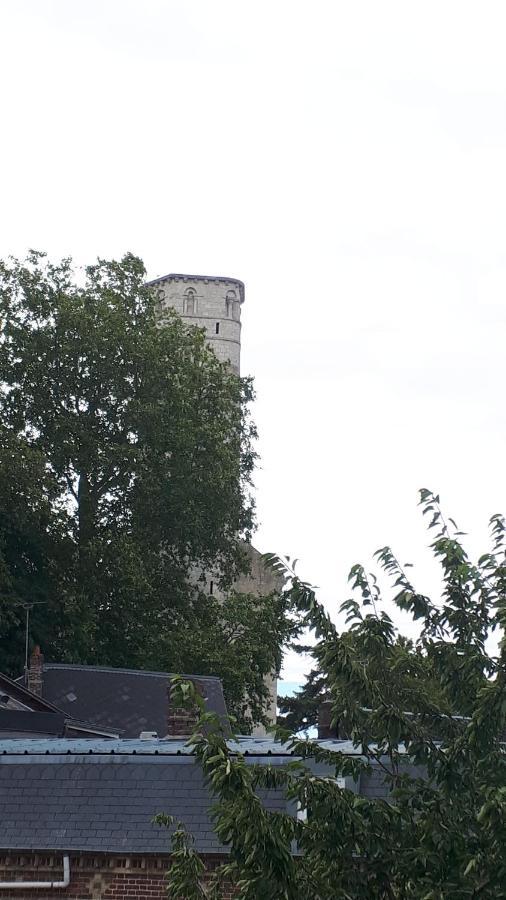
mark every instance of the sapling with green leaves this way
{"type": "Point", "coordinates": [428, 713]}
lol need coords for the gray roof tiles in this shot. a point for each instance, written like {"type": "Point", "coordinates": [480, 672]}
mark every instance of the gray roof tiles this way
{"type": "Point", "coordinates": [31, 722]}
{"type": "Point", "coordinates": [125, 700]}
{"type": "Point", "coordinates": [70, 803]}
{"type": "Point", "coordinates": [97, 795]}
{"type": "Point", "coordinates": [28, 714]}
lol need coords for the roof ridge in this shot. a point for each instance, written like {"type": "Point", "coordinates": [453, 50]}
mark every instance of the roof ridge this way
{"type": "Point", "coordinates": [83, 667]}
{"type": "Point", "coordinates": [136, 747]}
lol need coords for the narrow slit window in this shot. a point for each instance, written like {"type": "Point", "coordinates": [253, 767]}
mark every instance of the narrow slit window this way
{"type": "Point", "coordinates": [217, 327]}
{"type": "Point", "coordinates": [211, 587]}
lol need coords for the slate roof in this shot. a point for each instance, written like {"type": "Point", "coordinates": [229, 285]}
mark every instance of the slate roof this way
{"type": "Point", "coordinates": [31, 723]}
{"type": "Point", "coordinates": [101, 796]}
{"type": "Point", "coordinates": [25, 713]}
{"type": "Point", "coordinates": [127, 701]}
{"type": "Point", "coordinates": [16, 691]}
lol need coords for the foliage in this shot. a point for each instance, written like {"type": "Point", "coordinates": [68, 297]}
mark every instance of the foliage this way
{"type": "Point", "coordinates": [299, 712]}
{"type": "Point", "coordinates": [126, 453]}
{"type": "Point", "coordinates": [428, 716]}
{"type": "Point", "coordinates": [187, 869]}
{"type": "Point", "coordinates": [241, 640]}
{"type": "Point", "coordinates": [33, 544]}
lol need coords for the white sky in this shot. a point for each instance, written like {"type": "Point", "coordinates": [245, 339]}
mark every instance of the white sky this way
{"type": "Point", "coordinates": [347, 161]}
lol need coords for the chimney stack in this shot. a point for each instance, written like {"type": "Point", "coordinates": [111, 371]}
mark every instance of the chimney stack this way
{"type": "Point", "coordinates": [181, 720]}
{"type": "Point", "coordinates": [325, 729]}
{"type": "Point", "coordinates": [35, 672]}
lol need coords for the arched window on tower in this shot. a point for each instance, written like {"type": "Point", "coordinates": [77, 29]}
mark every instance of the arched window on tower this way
{"type": "Point", "coordinates": [231, 301]}
{"type": "Point", "coordinates": [189, 302]}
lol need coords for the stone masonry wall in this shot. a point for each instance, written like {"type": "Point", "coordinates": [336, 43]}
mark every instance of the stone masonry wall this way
{"type": "Point", "coordinates": [215, 305]}
{"type": "Point", "coordinates": [261, 581]}
{"type": "Point", "coordinates": [212, 304]}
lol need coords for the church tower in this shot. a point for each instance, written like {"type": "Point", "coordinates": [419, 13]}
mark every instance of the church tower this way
{"type": "Point", "coordinates": [212, 303]}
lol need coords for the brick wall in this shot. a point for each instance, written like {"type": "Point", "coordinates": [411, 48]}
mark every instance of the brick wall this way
{"type": "Point", "coordinates": [92, 877]}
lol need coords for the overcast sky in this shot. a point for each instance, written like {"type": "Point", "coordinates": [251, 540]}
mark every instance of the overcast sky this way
{"type": "Point", "coordinates": [347, 160]}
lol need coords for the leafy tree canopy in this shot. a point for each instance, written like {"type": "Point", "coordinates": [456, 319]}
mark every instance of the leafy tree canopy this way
{"type": "Point", "coordinates": [429, 715]}
{"type": "Point", "coordinates": [126, 453]}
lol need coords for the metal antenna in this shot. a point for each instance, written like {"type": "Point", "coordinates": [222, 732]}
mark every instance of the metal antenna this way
{"type": "Point", "coordinates": [28, 607]}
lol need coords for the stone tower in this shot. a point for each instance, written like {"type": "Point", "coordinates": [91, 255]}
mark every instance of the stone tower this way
{"type": "Point", "coordinates": [212, 303]}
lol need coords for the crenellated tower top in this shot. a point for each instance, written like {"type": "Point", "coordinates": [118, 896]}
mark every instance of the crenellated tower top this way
{"type": "Point", "coordinates": [209, 302]}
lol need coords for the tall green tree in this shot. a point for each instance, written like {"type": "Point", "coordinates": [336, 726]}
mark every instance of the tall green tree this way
{"type": "Point", "coordinates": [34, 546]}
{"type": "Point", "coordinates": [428, 714]}
{"type": "Point", "coordinates": [126, 453]}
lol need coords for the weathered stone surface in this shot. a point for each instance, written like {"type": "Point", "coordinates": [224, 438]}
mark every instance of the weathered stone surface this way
{"type": "Point", "coordinates": [210, 303]}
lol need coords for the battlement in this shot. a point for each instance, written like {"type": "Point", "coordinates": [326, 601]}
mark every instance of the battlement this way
{"type": "Point", "coordinates": [209, 302]}
{"type": "Point", "coordinates": [207, 279]}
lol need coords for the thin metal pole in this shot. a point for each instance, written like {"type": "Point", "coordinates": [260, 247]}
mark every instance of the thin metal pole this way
{"type": "Point", "coordinates": [26, 642]}
{"type": "Point", "coordinates": [27, 607]}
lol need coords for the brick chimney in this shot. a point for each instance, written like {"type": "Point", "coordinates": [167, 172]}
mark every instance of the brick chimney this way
{"type": "Point", "coordinates": [36, 672]}
{"type": "Point", "coordinates": [181, 720]}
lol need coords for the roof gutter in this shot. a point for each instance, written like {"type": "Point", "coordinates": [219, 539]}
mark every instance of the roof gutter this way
{"type": "Point", "coordinates": [29, 885]}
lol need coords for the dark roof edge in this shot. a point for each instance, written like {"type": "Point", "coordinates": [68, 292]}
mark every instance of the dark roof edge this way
{"type": "Point", "coordinates": [23, 694]}
{"type": "Point", "coordinates": [83, 851]}
{"type": "Point", "coordinates": [50, 749]}
{"type": "Point", "coordinates": [99, 730]}
{"type": "Point", "coordinates": [35, 700]}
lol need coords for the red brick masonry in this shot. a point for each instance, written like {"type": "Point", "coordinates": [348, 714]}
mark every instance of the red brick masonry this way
{"type": "Point", "coordinates": [92, 877]}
